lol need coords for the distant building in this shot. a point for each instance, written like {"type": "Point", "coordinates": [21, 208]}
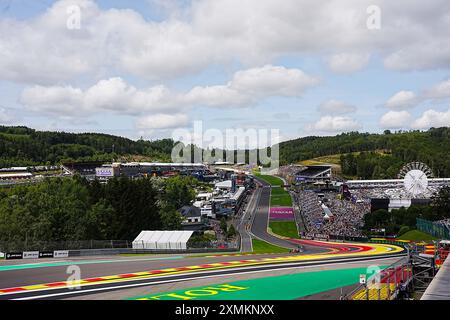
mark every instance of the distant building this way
{"type": "Point", "coordinates": [224, 185]}
{"type": "Point", "coordinates": [391, 204]}
{"type": "Point", "coordinates": [15, 176]}
{"type": "Point", "coordinates": [107, 172]}
{"type": "Point", "coordinates": [192, 218]}
{"type": "Point", "coordinates": [145, 169]}
{"type": "Point", "coordinates": [319, 173]}
{"type": "Point", "coordinates": [86, 169]}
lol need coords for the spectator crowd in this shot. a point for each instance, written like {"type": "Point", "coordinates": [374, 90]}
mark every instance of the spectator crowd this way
{"type": "Point", "coordinates": [330, 215]}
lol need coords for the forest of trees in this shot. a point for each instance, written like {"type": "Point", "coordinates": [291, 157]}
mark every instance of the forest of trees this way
{"type": "Point", "coordinates": [62, 209]}
{"type": "Point", "coordinates": [21, 146]}
{"type": "Point", "coordinates": [359, 156]}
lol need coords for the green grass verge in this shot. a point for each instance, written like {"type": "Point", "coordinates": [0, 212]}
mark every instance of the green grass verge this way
{"type": "Point", "coordinates": [273, 181]}
{"type": "Point", "coordinates": [284, 228]}
{"type": "Point", "coordinates": [280, 198]}
{"type": "Point", "coordinates": [416, 235]}
{"type": "Point", "coordinates": [260, 246]}
{"type": "Point", "coordinates": [284, 200]}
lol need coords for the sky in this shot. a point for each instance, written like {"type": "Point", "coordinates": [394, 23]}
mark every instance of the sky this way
{"type": "Point", "coordinates": [150, 68]}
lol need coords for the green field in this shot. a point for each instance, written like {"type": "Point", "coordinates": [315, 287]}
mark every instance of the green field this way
{"type": "Point", "coordinates": [279, 196]}
{"type": "Point", "coordinates": [273, 181]}
{"type": "Point", "coordinates": [260, 246]}
{"type": "Point", "coordinates": [284, 228]}
{"type": "Point", "coordinates": [280, 199]}
{"type": "Point", "coordinates": [416, 235]}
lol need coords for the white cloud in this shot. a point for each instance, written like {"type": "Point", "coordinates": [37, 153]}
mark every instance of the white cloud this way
{"type": "Point", "coordinates": [246, 88]}
{"type": "Point", "coordinates": [335, 124]}
{"type": "Point", "coordinates": [6, 117]}
{"type": "Point", "coordinates": [162, 121]}
{"type": "Point", "coordinates": [249, 86]}
{"type": "Point", "coordinates": [432, 118]}
{"type": "Point", "coordinates": [252, 32]}
{"type": "Point", "coordinates": [218, 96]}
{"type": "Point", "coordinates": [272, 81]}
{"type": "Point", "coordinates": [107, 95]}
{"type": "Point", "coordinates": [439, 91]}
{"type": "Point", "coordinates": [395, 120]}
{"type": "Point", "coordinates": [335, 107]}
{"type": "Point", "coordinates": [403, 100]}
{"type": "Point", "coordinates": [348, 62]}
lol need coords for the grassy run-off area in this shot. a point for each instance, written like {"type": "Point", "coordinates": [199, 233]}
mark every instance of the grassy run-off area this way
{"type": "Point", "coordinates": [416, 235]}
{"type": "Point", "coordinates": [260, 246]}
{"type": "Point", "coordinates": [284, 228]}
{"type": "Point", "coordinates": [280, 198]}
{"type": "Point", "coordinates": [273, 181]}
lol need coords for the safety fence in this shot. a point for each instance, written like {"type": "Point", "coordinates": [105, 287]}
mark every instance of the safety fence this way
{"type": "Point", "coordinates": [20, 246]}
{"type": "Point", "coordinates": [384, 283]}
{"type": "Point", "coordinates": [7, 246]}
{"type": "Point", "coordinates": [435, 229]}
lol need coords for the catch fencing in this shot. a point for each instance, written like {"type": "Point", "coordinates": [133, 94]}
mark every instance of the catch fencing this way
{"type": "Point", "coordinates": [18, 246]}
{"type": "Point", "coordinates": [435, 229]}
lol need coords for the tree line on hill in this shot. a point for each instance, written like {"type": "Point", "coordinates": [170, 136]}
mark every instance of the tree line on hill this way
{"type": "Point", "coordinates": [22, 146]}
{"type": "Point", "coordinates": [359, 156]}
{"type": "Point", "coordinates": [65, 209]}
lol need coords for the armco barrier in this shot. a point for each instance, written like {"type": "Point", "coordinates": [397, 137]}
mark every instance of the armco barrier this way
{"type": "Point", "coordinates": [104, 252]}
{"type": "Point", "coordinates": [22, 246]}
{"type": "Point", "coordinates": [100, 252]}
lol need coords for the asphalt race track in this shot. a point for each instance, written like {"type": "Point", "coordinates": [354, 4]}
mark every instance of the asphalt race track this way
{"type": "Point", "coordinates": [112, 276]}
{"type": "Point", "coordinates": [32, 288]}
{"type": "Point", "coordinates": [51, 281]}
{"type": "Point", "coordinates": [260, 221]}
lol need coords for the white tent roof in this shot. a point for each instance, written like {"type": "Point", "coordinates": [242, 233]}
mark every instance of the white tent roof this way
{"type": "Point", "coordinates": [238, 193]}
{"type": "Point", "coordinates": [167, 240]}
{"type": "Point", "coordinates": [224, 184]}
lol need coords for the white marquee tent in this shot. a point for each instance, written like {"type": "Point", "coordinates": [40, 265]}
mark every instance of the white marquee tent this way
{"type": "Point", "coordinates": [164, 240]}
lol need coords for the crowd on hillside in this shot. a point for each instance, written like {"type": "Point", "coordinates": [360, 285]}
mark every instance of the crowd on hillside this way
{"type": "Point", "coordinates": [343, 217]}
{"type": "Point", "coordinates": [393, 193]}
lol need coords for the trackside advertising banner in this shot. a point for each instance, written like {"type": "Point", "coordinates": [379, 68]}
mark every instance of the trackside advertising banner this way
{"type": "Point", "coordinates": [30, 255]}
{"type": "Point", "coordinates": [61, 254]}
{"type": "Point", "coordinates": [36, 254]}
{"type": "Point", "coordinates": [281, 213]}
{"type": "Point", "coordinates": [13, 255]}
{"type": "Point", "coordinates": [46, 254]}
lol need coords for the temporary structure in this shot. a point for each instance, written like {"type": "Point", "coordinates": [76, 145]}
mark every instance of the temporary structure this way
{"type": "Point", "coordinates": [162, 240]}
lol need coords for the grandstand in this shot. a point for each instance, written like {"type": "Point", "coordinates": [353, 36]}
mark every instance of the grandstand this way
{"type": "Point", "coordinates": [415, 186]}
{"type": "Point", "coordinates": [393, 183]}
{"type": "Point", "coordinates": [314, 173]}
{"type": "Point", "coordinates": [327, 211]}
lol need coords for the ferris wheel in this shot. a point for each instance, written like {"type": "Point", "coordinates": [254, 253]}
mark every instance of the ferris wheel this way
{"type": "Point", "coordinates": [415, 177]}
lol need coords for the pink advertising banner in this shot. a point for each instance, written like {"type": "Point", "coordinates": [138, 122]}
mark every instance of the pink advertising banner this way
{"type": "Point", "coordinates": [281, 213]}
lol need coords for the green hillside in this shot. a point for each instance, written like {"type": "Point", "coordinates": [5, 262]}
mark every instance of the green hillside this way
{"type": "Point", "coordinates": [22, 146]}
{"type": "Point", "coordinates": [360, 154]}
{"type": "Point", "coordinates": [363, 155]}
